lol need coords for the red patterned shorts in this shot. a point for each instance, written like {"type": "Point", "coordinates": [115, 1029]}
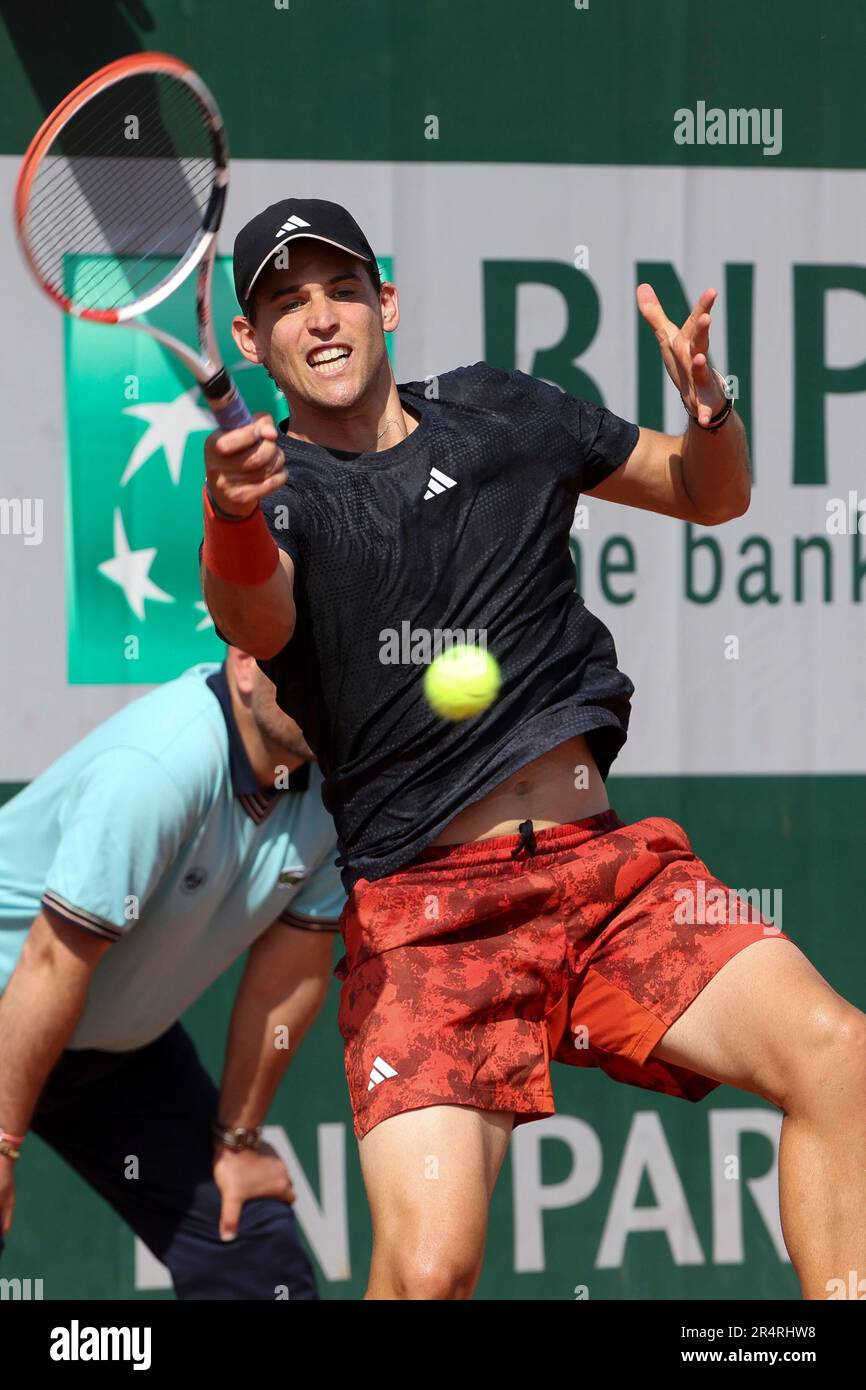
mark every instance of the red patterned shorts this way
{"type": "Point", "coordinates": [469, 969]}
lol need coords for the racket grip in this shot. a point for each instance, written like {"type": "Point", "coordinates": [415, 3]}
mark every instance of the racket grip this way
{"type": "Point", "coordinates": [226, 403]}
{"type": "Point", "coordinates": [232, 414]}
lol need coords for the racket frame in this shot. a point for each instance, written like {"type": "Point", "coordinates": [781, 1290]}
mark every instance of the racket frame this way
{"type": "Point", "coordinates": [205, 365]}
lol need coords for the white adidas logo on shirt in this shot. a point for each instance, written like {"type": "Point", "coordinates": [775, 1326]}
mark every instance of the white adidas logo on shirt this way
{"type": "Point", "coordinates": [380, 1070]}
{"type": "Point", "coordinates": [438, 482]}
{"type": "Point", "coordinates": [292, 225]}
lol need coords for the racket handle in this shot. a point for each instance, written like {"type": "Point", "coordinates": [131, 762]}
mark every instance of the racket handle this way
{"type": "Point", "coordinates": [233, 414]}
{"type": "Point", "coordinates": [226, 403]}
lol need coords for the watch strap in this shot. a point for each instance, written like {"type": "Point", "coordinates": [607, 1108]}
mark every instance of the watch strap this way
{"type": "Point", "coordinates": [236, 1137]}
{"type": "Point", "coordinates": [721, 415]}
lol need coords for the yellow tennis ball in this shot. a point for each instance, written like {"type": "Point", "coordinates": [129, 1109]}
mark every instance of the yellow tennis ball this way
{"type": "Point", "coordinates": [462, 681]}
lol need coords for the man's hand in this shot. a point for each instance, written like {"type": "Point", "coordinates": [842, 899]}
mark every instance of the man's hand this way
{"type": "Point", "coordinates": [684, 352]}
{"type": "Point", "coordinates": [244, 465]}
{"type": "Point", "coordinates": [7, 1193]}
{"type": "Point", "coordinates": [244, 1175]}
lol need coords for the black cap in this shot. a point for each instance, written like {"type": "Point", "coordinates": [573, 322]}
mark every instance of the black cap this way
{"type": "Point", "coordinates": [286, 221]}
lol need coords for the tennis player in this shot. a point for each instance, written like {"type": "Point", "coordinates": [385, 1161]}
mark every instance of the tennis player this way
{"type": "Point", "coordinates": [500, 914]}
{"type": "Point", "coordinates": [133, 871]}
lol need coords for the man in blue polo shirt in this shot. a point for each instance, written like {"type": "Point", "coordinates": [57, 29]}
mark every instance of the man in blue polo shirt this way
{"type": "Point", "coordinates": [133, 871]}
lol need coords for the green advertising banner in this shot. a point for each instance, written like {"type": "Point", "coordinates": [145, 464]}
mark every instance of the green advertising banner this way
{"type": "Point", "coordinates": [135, 429]}
{"type": "Point", "coordinates": [136, 426]}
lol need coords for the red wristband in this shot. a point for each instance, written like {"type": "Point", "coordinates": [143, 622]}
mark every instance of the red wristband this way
{"type": "Point", "coordinates": [16, 1139]}
{"type": "Point", "coordinates": [240, 552]}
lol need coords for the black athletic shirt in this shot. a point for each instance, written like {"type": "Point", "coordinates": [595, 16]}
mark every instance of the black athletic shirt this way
{"type": "Point", "coordinates": [464, 524]}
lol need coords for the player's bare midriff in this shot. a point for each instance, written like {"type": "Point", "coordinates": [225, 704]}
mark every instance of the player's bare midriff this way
{"type": "Point", "coordinates": [562, 785]}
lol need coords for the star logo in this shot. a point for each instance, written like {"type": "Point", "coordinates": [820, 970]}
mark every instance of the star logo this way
{"type": "Point", "coordinates": [134, 488]}
{"type": "Point", "coordinates": [130, 570]}
{"type": "Point", "coordinates": [170, 423]}
{"type": "Point", "coordinates": [207, 621]}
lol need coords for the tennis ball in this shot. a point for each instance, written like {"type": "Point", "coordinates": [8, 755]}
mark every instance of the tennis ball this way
{"type": "Point", "coordinates": [462, 681]}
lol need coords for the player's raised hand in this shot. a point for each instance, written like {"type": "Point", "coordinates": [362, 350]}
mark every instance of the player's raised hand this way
{"type": "Point", "coordinates": [244, 465]}
{"type": "Point", "coordinates": [684, 352]}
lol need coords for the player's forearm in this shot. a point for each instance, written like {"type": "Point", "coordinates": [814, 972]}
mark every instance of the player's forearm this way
{"type": "Point", "coordinates": [715, 470]}
{"type": "Point", "coordinates": [39, 1011]}
{"type": "Point", "coordinates": [258, 619]}
{"type": "Point", "coordinates": [247, 581]}
{"type": "Point", "coordinates": [272, 1013]}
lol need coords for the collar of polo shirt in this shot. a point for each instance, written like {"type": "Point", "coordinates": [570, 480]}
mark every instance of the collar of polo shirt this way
{"type": "Point", "coordinates": [258, 802]}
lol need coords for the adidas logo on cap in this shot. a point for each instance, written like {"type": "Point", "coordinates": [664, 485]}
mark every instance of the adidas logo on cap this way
{"type": "Point", "coordinates": [292, 225]}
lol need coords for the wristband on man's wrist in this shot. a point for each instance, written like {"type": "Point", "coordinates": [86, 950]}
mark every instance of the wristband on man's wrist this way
{"type": "Point", "coordinates": [223, 515]}
{"type": "Point", "coordinates": [241, 551]}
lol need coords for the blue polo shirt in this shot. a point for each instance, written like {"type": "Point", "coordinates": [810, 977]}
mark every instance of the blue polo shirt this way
{"type": "Point", "coordinates": [153, 833]}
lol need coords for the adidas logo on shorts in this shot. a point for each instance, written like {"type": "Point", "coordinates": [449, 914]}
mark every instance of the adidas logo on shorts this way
{"type": "Point", "coordinates": [379, 1071]}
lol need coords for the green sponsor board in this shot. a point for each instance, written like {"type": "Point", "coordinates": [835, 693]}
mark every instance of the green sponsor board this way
{"type": "Point", "coordinates": [567, 81]}
{"type": "Point", "coordinates": [136, 425]}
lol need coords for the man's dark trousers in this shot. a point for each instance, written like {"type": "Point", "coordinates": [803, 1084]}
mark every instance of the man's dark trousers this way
{"type": "Point", "coordinates": [100, 1110]}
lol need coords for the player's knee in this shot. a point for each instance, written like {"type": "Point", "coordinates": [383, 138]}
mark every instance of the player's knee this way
{"type": "Point", "coordinates": [434, 1276]}
{"type": "Point", "coordinates": [827, 1070]}
{"type": "Point", "coordinates": [439, 1280]}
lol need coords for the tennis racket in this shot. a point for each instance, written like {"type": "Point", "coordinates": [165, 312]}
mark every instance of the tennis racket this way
{"type": "Point", "coordinates": [120, 198]}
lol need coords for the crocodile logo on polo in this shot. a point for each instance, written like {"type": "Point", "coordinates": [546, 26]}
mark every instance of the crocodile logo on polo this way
{"type": "Point", "coordinates": [193, 879]}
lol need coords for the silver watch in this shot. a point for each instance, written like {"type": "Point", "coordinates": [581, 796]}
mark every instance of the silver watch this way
{"type": "Point", "coordinates": [721, 415]}
{"type": "Point", "coordinates": [236, 1137]}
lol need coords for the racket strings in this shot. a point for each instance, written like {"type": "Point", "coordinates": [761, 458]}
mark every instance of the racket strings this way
{"type": "Point", "coordinates": [156, 215]}
{"type": "Point", "coordinates": [87, 231]}
{"type": "Point", "coordinates": [101, 272]}
{"type": "Point", "coordinates": [163, 106]}
{"type": "Point", "coordinates": [116, 204]}
{"type": "Point", "coordinates": [96, 125]}
{"type": "Point", "coordinates": [85, 170]}
{"type": "Point", "coordinates": [45, 226]}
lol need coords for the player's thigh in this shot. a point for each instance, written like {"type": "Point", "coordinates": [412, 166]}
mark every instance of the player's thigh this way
{"type": "Point", "coordinates": [768, 1022]}
{"type": "Point", "coordinates": [430, 1173]}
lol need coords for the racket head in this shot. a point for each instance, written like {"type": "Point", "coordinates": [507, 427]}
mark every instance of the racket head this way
{"type": "Point", "coordinates": [121, 191]}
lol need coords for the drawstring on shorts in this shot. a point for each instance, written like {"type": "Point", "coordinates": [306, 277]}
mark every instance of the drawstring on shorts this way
{"type": "Point", "coordinates": [527, 839]}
